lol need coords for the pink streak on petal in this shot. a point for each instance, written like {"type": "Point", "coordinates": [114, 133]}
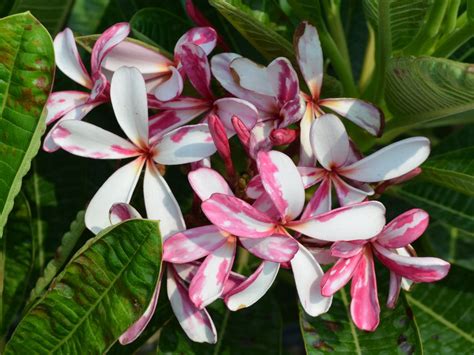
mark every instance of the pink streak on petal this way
{"type": "Point", "coordinates": [404, 229]}
{"type": "Point", "coordinates": [60, 132]}
{"type": "Point", "coordinates": [180, 134]}
{"type": "Point", "coordinates": [339, 275]}
{"type": "Point", "coordinates": [121, 150]}
{"type": "Point", "coordinates": [394, 290]}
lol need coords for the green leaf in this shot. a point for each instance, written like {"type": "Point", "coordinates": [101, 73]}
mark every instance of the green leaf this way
{"type": "Point", "coordinates": [51, 13]}
{"type": "Point", "coordinates": [26, 76]}
{"type": "Point", "coordinates": [425, 89]}
{"type": "Point", "coordinates": [454, 170]}
{"type": "Point", "coordinates": [86, 15]}
{"type": "Point", "coordinates": [444, 313]}
{"type": "Point", "coordinates": [335, 332]}
{"type": "Point", "coordinates": [254, 23]}
{"type": "Point", "coordinates": [444, 204]}
{"type": "Point", "coordinates": [101, 292]}
{"type": "Point", "coordinates": [17, 262]}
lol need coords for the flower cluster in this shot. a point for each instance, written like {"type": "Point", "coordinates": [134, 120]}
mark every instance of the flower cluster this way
{"type": "Point", "coordinates": [264, 209]}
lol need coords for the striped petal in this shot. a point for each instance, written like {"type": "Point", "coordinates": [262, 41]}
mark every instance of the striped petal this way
{"type": "Point", "coordinates": [389, 162]}
{"type": "Point", "coordinates": [86, 140]}
{"type": "Point", "coordinates": [184, 145]}
{"type": "Point", "coordinates": [193, 244]}
{"type": "Point", "coordinates": [206, 182]}
{"type": "Point", "coordinates": [229, 107]}
{"type": "Point", "coordinates": [204, 37]}
{"type": "Point", "coordinates": [260, 137]}
{"type": "Point", "coordinates": [277, 247]}
{"type": "Point", "coordinates": [404, 229]}
{"type": "Point", "coordinates": [196, 67]}
{"type": "Point", "coordinates": [347, 194]}
{"type": "Point", "coordinates": [311, 176]}
{"type": "Point", "coordinates": [106, 42]}
{"type": "Point", "coordinates": [255, 188]}
{"type": "Point", "coordinates": [61, 102]}
{"type": "Point", "coordinates": [208, 284]}
{"type": "Point", "coordinates": [339, 275]}
{"type": "Point", "coordinates": [120, 212]}
{"type": "Point", "coordinates": [320, 202]}
{"type": "Point", "coordinates": [283, 80]}
{"type": "Point", "coordinates": [283, 183]}
{"type": "Point", "coordinates": [237, 217]}
{"type": "Point", "coordinates": [292, 111]}
{"type": "Point", "coordinates": [165, 121]}
{"type": "Point", "coordinates": [346, 249]}
{"type": "Point", "coordinates": [395, 286]}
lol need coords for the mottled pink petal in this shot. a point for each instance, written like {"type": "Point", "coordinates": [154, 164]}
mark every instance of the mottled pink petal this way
{"type": "Point", "coordinates": [61, 102]}
{"type": "Point", "coordinates": [320, 202]}
{"type": "Point", "coordinates": [404, 229]}
{"type": "Point", "coordinates": [179, 103]}
{"type": "Point", "coordinates": [251, 76]}
{"type": "Point", "coordinates": [283, 136]}
{"type": "Point", "coordinates": [347, 194]}
{"type": "Point", "coordinates": [229, 107]}
{"type": "Point", "coordinates": [242, 132]}
{"type": "Point", "coordinates": [255, 187]}
{"type": "Point", "coordinates": [330, 141]}
{"type": "Point", "coordinates": [196, 66]}
{"type": "Point", "coordinates": [360, 221]}
{"type": "Point", "coordinates": [184, 145]}
{"type": "Point", "coordinates": [196, 323]}
{"type": "Point", "coordinates": [219, 136]}
{"type": "Point", "coordinates": [68, 59]}
{"type": "Point", "coordinates": [346, 249]}
{"type": "Point", "coordinates": [253, 288]}
{"type": "Point", "coordinates": [120, 212]}
{"type": "Point", "coordinates": [206, 182]}
{"type": "Point", "coordinates": [339, 275]}
{"type": "Point", "coordinates": [389, 162]}
{"type": "Point", "coordinates": [418, 269]}
{"type": "Point", "coordinates": [394, 289]}
{"type": "Point", "coordinates": [265, 204]}
{"type": "Point", "coordinates": [237, 217]}
{"type": "Point", "coordinates": [171, 87]}
{"type": "Point", "coordinates": [118, 188]}
{"type": "Point", "coordinates": [283, 80]}
{"type": "Point", "coordinates": [193, 244]}
{"type": "Point", "coordinates": [365, 308]}
{"type": "Point", "coordinates": [165, 121]}
{"type": "Point", "coordinates": [106, 42]}
{"type": "Point", "coordinates": [260, 137]}
{"type": "Point", "coordinates": [283, 183]}
{"type": "Point", "coordinates": [86, 140]}
{"type": "Point", "coordinates": [311, 176]}
{"type": "Point", "coordinates": [204, 37]}
{"type": "Point", "coordinates": [321, 255]}
{"type": "Point", "coordinates": [277, 247]}
{"type": "Point", "coordinates": [310, 57]}
{"type": "Point", "coordinates": [208, 284]}
{"type": "Point", "coordinates": [308, 275]}
{"type": "Point", "coordinates": [292, 111]}
{"type": "Point", "coordinates": [362, 113]}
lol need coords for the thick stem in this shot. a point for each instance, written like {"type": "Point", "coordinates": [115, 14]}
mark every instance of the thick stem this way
{"type": "Point", "coordinates": [451, 43]}
{"type": "Point", "coordinates": [333, 14]}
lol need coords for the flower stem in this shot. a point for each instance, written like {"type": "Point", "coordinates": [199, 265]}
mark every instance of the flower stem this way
{"type": "Point", "coordinates": [456, 39]}
{"type": "Point", "coordinates": [332, 10]}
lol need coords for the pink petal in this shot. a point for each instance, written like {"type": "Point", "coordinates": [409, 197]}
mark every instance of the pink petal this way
{"type": "Point", "coordinates": [310, 175]}
{"type": "Point", "coordinates": [68, 59]}
{"type": "Point", "coordinates": [394, 289]}
{"type": "Point", "coordinates": [129, 100]}
{"type": "Point", "coordinates": [251, 76]}
{"type": "Point", "coordinates": [208, 284]}
{"type": "Point", "coordinates": [283, 183]}
{"type": "Point", "coordinates": [330, 141]}
{"type": "Point", "coordinates": [307, 157]}
{"type": "Point", "coordinates": [171, 87]}
{"type": "Point", "coordinates": [187, 271]}
{"type": "Point", "coordinates": [276, 247]}
{"type": "Point", "coordinates": [193, 244]}
{"type": "Point", "coordinates": [309, 56]}
{"type": "Point", "coordinates": [219, 136]}
{"type": "Point", "coordinates": [118, 188]}
{"type": "Point", "coordinates": [265, 204]}
{"type": "Point", "coordinates": [166, 121]}
{"type": "Point", "coordinates": [346, 249]}
{"type": "Point", "coordinates": [77, 113]}
{"type": "Point", "coordinates": [339, 275]}
{"type": "Point", "coordinates": [347, 194]}
{"type": "Point", "coordinates": [204, 37]}
{"type": "Point", "coordinates": [86, 140]}
{"type": "Point", "coordinates": [362, 113]}
{"type": "Point", "coordinates": [120, 212]}
{"type": "Point", "coordinates": [160, 203]}
{"type": "Point", "coordinates": [320, 202]}
{"type": "Point", "coordinates": [229, 107]}
{"type": "Point", "coordinates": [292, 111]}
{"type": "Point", "coordinates": [242, 132]}
{"type": "Point", "coordinates": [237, 217]}
{"type": "Point", "coordinates": [106, 42]}
{"type": "Point", "coordinates": [184, 145]}
{"type": "Point", "coordinates": [179, 103]}
{"type": "Point", "coordinates": [283, 79]}
{"type": "Point", "coordinates": [206, 182]}
{"type": "Point", "coordinates": [389, 162]}
{"type": "Point", "coordinates": [308, 275]}
{"type": "Point", "coordinates": [61, 102]}
{"type": "Point", "coordinates": [418, 269]}
{"type": "Point", "coordinates": [132, 54]}
{"type": "Point", "coordinates": [196, 66]}
{"type": "Point", "coordinates": [196, 323]}
{"type": "Point", "coordinates": [134, 331]}
{"type": "Point", "coordinates": [404, 229]}
{"type": "Point", "coordinates": [232, 282]}
{"type": "Point", "coordinates": [260, 137]}
{"type": "Point", "coordinates": [321, 255]}
{"type": "Point", "coordinates": [365, 308]}
{"type": "Point", "coordinates": [283, 136]}
{"type": "Point", "coordinates": [253, 288]}
{"type": "Point", "coordinates": [360, 221]}
{"type": "Point", "coordinates": [255, 188]}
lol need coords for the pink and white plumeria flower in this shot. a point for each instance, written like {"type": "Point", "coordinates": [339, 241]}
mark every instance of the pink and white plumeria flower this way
{"type": "Point", "coordinates": [164, 76]}
{"type": "Point", "coordinates": [392, 248]}
{"type": "Point", "coordinates": [285, 197]}
{"type": "Point", "coordinates": [171, 147]}
{"type": "Point", "coordinates": [310, 59]}
{"type": "Point", "coordinates": [74, 105]}
{"type": "Point", "coordinates": [196, 323]}
{"type": "Point", "coordinates": [274, 90]}
{"type": "Point", "coordinates": [217, 246]}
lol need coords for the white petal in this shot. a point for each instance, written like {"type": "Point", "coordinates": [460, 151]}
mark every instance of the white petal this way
{"type": "Point", "coordinates": [251, 76]}
{"type": "Point", "coordinates": [206, 182]}
{"type": "Point", "coordinates": [170, 88]}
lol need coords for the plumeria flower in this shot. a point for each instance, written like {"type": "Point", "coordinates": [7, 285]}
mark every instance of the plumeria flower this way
{"type": "Point", "coordinates": [196, 323]}
{"type": "Point", "coordinates": [310, 59]}
{"type": "Point", "coordinates": [172, 147]}
{"type": "Point", "coordinates": [285, 195]}
{"type": "Point", "coordinates": [164, 76]}
{"type": "Point", "coordinates": [74, 105]}
{"type": "Point", "coordinates": [274, 90]}
{"type": "Point", "coordinates": [392, 248]}
{"type": "Point", "coordinates": [217, 246]}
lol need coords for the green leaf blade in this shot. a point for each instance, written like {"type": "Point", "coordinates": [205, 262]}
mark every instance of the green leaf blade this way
{"type": "Point", "coordinates": [26, 77]}
{"type": "Point", "coordinates": [101, 292]}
